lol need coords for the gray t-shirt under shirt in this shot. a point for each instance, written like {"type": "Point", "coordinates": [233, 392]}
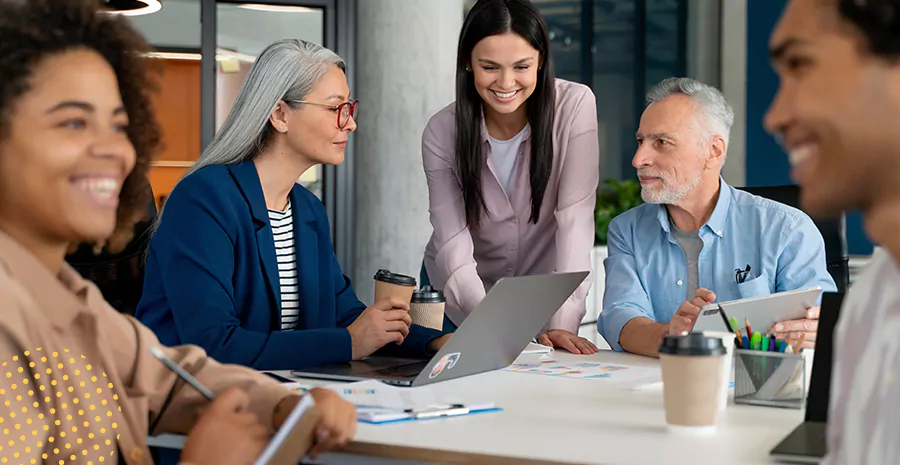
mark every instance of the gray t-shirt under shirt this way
{"type": "Point", "coordinates": [691, 244]}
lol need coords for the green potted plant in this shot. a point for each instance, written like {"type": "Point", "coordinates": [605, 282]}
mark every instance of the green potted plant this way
{"type": "Point", "coordinates": [614, 197]}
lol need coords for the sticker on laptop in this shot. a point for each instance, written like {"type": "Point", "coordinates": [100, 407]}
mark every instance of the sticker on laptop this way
{"type": "Point", "coordinates": [446, 363]}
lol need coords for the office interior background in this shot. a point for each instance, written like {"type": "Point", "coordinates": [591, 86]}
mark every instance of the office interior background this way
{"type": "Point", "coordinates": [401, 56]}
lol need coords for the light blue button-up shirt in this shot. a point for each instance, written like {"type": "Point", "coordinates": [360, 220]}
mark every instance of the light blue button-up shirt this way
{"type": "Point", "coordinates": [647, 275]}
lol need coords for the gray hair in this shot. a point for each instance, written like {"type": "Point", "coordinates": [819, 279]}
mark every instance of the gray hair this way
{"type": "Point", "coordinates": [286, 70]}
{"type": "Point", "coordinates": [708, 99]}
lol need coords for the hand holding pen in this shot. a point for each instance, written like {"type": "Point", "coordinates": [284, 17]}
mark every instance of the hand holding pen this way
{"type": "Point", "coordinates": [225, 421]}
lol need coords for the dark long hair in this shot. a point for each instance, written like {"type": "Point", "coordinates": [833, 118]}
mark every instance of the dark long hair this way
{"type": "Point", "coordinates": [33, 30]}
{"type": "Point", "coordinates": [488, 18]}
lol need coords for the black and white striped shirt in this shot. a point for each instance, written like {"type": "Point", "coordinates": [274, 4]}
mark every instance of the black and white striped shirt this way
{"type": "Point", "coordinates": [283, 233]}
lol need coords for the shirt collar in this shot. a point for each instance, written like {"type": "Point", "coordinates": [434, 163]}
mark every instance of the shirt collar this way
{"type": "Point", "coordinates": [716, 221]}
{"type": "Point", "coordinates": [60, 298]}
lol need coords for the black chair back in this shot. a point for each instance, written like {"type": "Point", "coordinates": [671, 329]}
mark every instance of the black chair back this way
{"type": "Point", "coordinates": [834, 231]}
{"type": "Point", "coordinates": [120, 276]}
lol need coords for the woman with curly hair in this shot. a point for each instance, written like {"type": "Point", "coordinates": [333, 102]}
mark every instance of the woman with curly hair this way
{"type": "Point", "coordinates": [76, 135]}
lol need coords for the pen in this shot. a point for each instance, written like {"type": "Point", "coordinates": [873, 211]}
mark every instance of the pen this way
{"type": "Point", "coordinates": [434, 408]}
{"type": "Point", "coordinates": [731, 324]}
{"type": "Point", "coordinates": [772, 344]}
{"type": "Point", "coordinates": [182, 373]}
{"type": "Point", "coordinates": [799, 343]}
{"type": "Point", "coordinates": [755, 341]}
{"type": "Point", "coordinates": [745, 342]}
{"type": "Point", "coordinates": [765, 344]}
{"type": "Point", "coordinates": [440, 413]}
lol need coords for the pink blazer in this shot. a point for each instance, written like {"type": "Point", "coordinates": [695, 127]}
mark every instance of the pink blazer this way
{"type": "Point", "coordinates": [464, 263]}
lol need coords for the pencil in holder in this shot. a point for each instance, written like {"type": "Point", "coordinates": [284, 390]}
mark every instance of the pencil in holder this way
{"type": "Point", "coordinates": [772, 379]}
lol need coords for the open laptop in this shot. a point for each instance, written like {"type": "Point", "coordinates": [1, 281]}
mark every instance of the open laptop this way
{"type": "Point", "coordinates": [502, 325]}
{"type": "Point", "coordinates": [807, 443]}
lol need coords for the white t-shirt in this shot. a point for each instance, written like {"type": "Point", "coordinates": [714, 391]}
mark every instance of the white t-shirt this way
{"type": "Point", "coordinates": [504, 154]}
{"type": "Point", "coordinates": [864, 412]}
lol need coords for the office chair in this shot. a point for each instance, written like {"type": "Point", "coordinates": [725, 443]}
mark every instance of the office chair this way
{"type": "Point", "coordinates": [834, 231]}
{"type": "Point", "coordinates": [120, 276]}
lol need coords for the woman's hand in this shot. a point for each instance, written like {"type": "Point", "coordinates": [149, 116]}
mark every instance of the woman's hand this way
{"type": "Point", "coordinates": [226, 433]}
{"type": "Point", "coordinates": [336, 422]}
{"type": "Point", "coordinates": [562, 339]}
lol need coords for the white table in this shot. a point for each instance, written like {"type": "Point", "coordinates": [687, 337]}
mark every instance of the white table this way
{"type": "Point", "coordinates": [573, 421]}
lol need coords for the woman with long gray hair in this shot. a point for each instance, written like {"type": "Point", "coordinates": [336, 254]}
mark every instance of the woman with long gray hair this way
{"type": "Point", "coordinates": [242, 263]}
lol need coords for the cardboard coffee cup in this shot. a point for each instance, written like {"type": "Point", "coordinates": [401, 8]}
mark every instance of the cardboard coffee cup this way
{"type": "Point", "coordinates": [728, 373]}
{"type": "Point", "coordinates": [427, 308]}
{"type": "Point", "coordinates": [692, 367]}
{"type": "Point", "coordinates": [388, 284]}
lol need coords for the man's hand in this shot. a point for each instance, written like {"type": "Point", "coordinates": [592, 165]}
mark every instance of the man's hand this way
{"type": "Point", "coordinates": [683, 320]}
{"type": "Point", "coordinates": [437, 343]}
{"type": "Point", "coordinates": [226, 422]}
{"type": "Point", "coordinates": [386, 321]}
{"type": "Point", "coordinates": [560, 338]}
{"type": "Point", "coordinates": [336, 422]}
{"type": "Point", "coordinates": [798, 328]}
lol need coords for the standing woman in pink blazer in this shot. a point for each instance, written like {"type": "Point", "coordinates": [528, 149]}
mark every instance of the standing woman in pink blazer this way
{"type": "Point", "coordinates": [512, 169]}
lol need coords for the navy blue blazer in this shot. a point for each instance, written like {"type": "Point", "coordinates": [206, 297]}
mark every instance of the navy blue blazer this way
{"type": "Point", "coordinates": [211, 277]}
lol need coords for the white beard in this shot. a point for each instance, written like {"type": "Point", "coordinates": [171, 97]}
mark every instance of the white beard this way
{"type": "Point", "coordinates": [670, 193]}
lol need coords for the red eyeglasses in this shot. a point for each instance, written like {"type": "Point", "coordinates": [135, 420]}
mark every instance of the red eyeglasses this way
{"type": "Point", "coordinates": [344, 111]}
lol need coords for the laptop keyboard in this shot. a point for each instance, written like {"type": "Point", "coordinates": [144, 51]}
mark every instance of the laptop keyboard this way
{"type": "Point", "coordinates": [408, 370]}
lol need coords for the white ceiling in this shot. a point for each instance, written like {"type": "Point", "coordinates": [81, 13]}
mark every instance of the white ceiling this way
{"type": "Point", "coordinates": [239, 29]}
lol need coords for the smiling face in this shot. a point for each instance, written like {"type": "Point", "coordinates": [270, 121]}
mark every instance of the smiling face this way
{"type": "Point", "coordinates": [313, 130]}
{"type": "Point", "coordinates": [837, 109]}
{"type": "Point", "coordinates": [505, 70]}
{"type": "Point", "coordinates": [65, 154]}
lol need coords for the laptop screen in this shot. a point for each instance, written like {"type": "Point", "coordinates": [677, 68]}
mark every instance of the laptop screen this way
{"type": "Point", "coordinates": [820, 382]}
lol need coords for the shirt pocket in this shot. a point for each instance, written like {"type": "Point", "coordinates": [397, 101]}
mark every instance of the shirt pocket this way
{"type": "Point", "coordinates": [755, 287]}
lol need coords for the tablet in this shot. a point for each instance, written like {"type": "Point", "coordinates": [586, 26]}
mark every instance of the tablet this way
{"type": "Point", "coordinates": [762, 312]}
{"type": "Point", "coordinates": [294, 439]}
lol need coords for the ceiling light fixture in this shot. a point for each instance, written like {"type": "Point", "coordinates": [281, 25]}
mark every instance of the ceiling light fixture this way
{"type": "Point", "coordinates": [277, 8]}
{"type": "Point", "coordinates": [133, 7]}
{"type": "Point", "coordinates": [221, 55]}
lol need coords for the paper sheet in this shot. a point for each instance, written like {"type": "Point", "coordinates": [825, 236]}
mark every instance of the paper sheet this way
{"type": "Point", "coordinates": [377, 402]}
{"type": "Point", "coordinates": [374, 393]}
{"type": "Point", "coordinates": [587, 370]}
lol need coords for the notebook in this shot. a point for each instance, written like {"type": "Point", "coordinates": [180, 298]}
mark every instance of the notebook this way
{"type": "Point", "coordinates": [295, 437]}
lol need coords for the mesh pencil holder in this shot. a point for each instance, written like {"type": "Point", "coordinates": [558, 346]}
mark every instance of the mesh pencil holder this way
{"type": "Point", "coordinates": [771, 379]}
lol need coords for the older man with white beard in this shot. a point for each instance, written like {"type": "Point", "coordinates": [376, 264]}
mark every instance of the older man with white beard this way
{"type": "Point", "coordinates": [697, 239]}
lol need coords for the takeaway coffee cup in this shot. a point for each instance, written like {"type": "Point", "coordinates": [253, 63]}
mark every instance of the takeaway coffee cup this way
{"type": "Point", "coordinates": [692, 366]}
{"type": "Point", "coordinates": [388, 284]}
{"type": "Point", "coordinates": [728, 373]}
{"type": "Point", "coordinates": [427, 308]}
